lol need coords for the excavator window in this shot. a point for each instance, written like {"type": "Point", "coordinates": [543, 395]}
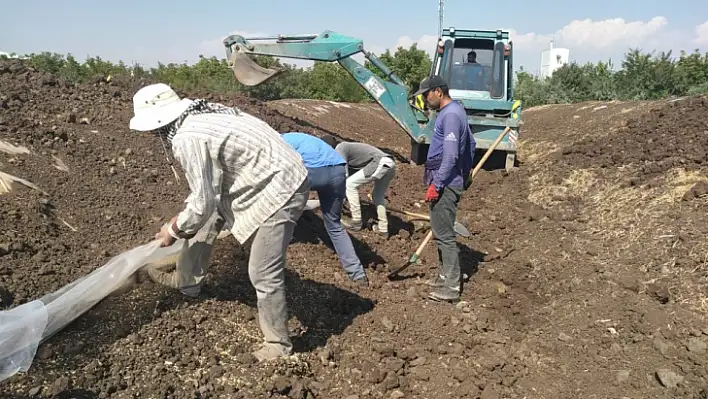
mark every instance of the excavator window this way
{"type": "Point", "coordinates": [473, 66]}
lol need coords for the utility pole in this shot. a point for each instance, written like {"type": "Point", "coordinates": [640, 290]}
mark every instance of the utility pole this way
{"type": "Point", "coordinates": [440, 16]}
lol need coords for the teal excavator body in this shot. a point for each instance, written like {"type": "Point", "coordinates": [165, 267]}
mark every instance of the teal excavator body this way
{"type": "Point", "coordinates": [478, 66]}
{"type": "Point", "coordinates": [488, 113]}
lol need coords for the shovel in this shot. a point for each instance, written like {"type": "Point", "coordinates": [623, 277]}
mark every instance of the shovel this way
{"type": "Point", "coordinates": [414, 258]}
{"type": "Point", "coordinates": [247, 72]}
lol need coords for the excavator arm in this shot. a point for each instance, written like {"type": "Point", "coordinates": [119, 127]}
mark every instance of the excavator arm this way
{"type": "Point", "coordinates": [391, 93]}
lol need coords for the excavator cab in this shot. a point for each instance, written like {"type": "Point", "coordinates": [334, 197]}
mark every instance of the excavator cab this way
{"type": "Point", "coordinates": [478, 66]}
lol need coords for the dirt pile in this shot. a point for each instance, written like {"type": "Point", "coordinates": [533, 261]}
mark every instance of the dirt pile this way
{"type": "Point", "coordinates": [82, 168]}
{"type": "Point", "coordinates": [572, 270]}
{"type": "Point", "coordinates": [553, 306]}
{"type": "Point", "coordinates": [673, 135]}
{"type": "Point", "coordinates": [643, 224]}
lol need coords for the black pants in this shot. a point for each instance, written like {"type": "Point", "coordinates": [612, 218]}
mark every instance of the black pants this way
{"type": "Point", "coordinates": [442, 220]}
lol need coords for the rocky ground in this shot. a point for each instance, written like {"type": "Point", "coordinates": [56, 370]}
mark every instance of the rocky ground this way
{"type": "Point", "coordinates": [587, 265]}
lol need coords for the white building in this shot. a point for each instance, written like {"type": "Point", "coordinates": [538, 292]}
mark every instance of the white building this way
{"type": "Point", "coordinates": [552, 59]}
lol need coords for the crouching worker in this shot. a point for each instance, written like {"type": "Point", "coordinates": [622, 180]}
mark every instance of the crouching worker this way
{"type": "Point", "coordinates": [371, 165]}
{"type": "Point", "coordinates": [327, 176]}
{"type": "Point", "coordinates": [242, 176]}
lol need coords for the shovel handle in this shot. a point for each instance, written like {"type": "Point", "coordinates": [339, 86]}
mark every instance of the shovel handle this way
{"type": "Point", "coordinates": [414, 257]}
{"type": "Point", "coordinates": [423, 244]}
{"type": "Point", "coordinates": [411, 214]}
{"type": "Point", "coordinates": [401, 211]}
{"type": "Point", "coordinates": [489, 151]}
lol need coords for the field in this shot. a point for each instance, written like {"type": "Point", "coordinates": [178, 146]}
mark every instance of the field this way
{"type": "Point", "coordinates": [587, 264]}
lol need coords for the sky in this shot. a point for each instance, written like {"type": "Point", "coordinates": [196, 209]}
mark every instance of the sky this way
{"type": "Point", "coordinates": [149, 31]}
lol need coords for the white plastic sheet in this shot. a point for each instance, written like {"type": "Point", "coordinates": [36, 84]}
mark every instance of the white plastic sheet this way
{"type": "Point", "coordinates": [23, 328]}
{"type": "Point", "coordinates": [312, 205]}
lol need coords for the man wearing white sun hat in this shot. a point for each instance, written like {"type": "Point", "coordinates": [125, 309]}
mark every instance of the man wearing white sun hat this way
{"type": "Point", "coordinates": [242, 175]}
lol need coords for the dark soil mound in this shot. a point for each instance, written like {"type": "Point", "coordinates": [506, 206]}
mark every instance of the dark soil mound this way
{"type": "Point", "coordinates": [675, 135]}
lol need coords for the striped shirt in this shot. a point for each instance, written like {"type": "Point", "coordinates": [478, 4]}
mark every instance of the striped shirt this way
{"type": "Point", "coordinates": [238, 165]}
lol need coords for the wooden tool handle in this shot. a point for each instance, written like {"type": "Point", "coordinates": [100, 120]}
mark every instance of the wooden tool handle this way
{"type": "Point", "coordinates": [401, 211]}
{"type": "Point", "coordinates": [424, 243]}
{"type": "Point", "coordinates": [489, 151]}
{"type": "Point", "coordinates": [411, 214]}
{"type": "Point", "coordinates": [414, 257]}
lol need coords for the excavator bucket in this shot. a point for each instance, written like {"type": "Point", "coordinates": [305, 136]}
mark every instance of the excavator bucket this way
{"type": "Point", "coordinates": [247, 71]}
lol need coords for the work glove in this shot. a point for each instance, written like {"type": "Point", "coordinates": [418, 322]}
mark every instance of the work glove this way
{"type": "Point", "coordinates": [432, 194]}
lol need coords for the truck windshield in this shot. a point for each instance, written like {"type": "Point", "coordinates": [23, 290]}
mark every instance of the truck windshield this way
{"type": "Point", "coordinates": [467, 75]}
{"type": "Point", "coordinates": [472, 65]}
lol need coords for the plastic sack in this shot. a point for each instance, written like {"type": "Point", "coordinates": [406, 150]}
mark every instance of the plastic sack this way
{"type": "Point", "coordinates": [23, 328]}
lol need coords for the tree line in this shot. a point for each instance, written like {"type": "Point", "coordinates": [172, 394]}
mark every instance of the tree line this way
{"type": "Point", "coordinates": [641, 76]}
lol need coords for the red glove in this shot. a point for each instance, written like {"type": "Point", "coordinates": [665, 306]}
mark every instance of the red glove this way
{"type": "Point", "coordinates": [431, 194]}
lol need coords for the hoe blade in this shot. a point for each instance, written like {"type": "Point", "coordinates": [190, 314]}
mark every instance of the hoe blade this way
{"type": "Point", "coordinates": [247, 71]}
{"type": "Point", "coordinates": [461, 229]}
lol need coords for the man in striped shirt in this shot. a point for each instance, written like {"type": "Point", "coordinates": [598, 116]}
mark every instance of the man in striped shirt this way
{"type": "Point", "coordinates": [242, 175]}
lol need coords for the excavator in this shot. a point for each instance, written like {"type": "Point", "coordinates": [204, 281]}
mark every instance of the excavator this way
{"type": "Point", "coordinates": [477, 64]}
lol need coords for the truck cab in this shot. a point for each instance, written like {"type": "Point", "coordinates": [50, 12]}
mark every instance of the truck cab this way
{"type": "Point", "coordinates": [477, 65]}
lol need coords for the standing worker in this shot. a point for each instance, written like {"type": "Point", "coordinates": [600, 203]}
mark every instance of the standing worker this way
{"type": "Point", "coordinates": [447, 169]}
{"type": "Point", "coordinates": [371, 164]}
{"type": "Point", "coordinates": [327, 175]}
{"type": "Point", "coordinates": [242, 175]}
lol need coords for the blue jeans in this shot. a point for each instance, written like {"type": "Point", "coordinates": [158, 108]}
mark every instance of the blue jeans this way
{"type": "Point", "coordinates": [330, 184]}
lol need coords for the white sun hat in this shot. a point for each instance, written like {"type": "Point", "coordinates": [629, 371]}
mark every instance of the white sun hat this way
{"type": "Point", "coordinates": [155, 106]}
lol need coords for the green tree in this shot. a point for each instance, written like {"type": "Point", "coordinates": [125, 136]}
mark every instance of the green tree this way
{"type": "Point", "coordinates": [411, 65]}
{"type": "Point", "coordinates": [329, 81]}
{"type": "Point", "coordinates": [640, 76]}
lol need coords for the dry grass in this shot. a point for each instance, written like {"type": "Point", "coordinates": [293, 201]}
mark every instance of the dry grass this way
{"type": "Point", "coordinates": [536, 152]}
{"type": "Point", "coordinates": [545, 193]}
{"type": "Point", "coordinates": [691, 284]}
{"type": "Point", "coordinates": [631, 215]}
{"type": "Point", "coordinates": [8, 183]}
{"type": "Point", "coordinates": [614, 211]}
{"type": "Point", "coordinates": [634, 219]}
{"type": "Point", "coordinates": [679, 182]}
{"type": "Point", "coordinates": [688, 285]}
{"type": "Point", "coordinates": [10, 149]}
{"type": "Point", "coordinates": [545, 106]}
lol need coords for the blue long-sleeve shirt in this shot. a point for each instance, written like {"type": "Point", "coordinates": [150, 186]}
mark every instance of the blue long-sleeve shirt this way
{"type": "Point", "coordinates": [315, 153]}
{"type": "Point", "coordinates": [452, 148]}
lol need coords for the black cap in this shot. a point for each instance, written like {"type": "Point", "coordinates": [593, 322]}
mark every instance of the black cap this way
{"type": "Point", "coordinates": [331, 140]}
{"type": "Point", "coordinates": [430, 83]}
